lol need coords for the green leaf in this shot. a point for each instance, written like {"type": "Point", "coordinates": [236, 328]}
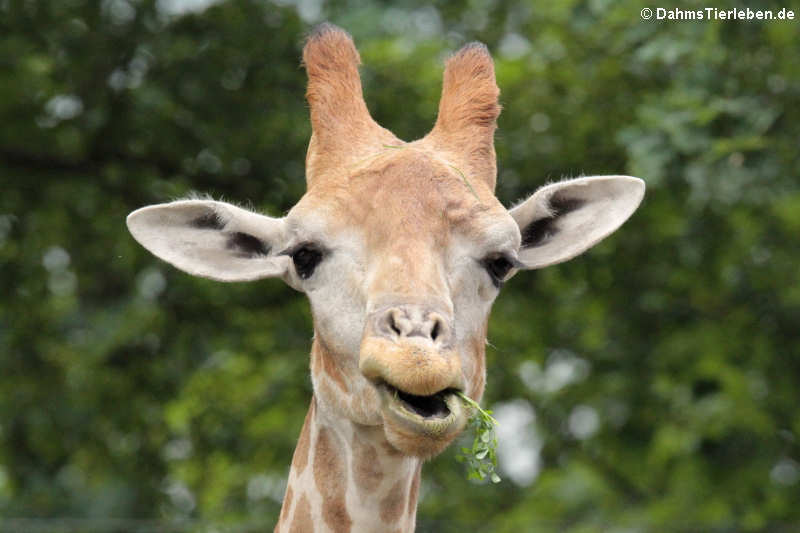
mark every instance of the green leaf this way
{"type": "Point", "coordinates": [482, 458]}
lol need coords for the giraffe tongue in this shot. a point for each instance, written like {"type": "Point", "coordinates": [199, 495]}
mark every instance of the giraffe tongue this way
{"type": "Point", "coordinates": [426, 406]}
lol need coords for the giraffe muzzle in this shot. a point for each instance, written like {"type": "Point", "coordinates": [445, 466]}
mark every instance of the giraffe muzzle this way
{"type": "Point", "coordinates": [417, 383]}
{"type": "Point", "coordinates": [408, 354]}
{"type": "Point", "coordinates": [410, 347]}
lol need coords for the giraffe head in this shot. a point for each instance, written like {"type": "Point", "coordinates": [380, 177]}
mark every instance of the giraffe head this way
{"type": "Point", "coordinates": [400, 247]}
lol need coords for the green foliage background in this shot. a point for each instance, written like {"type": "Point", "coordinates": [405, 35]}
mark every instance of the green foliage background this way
{"type": "Point", "coordinates": [663, 367]}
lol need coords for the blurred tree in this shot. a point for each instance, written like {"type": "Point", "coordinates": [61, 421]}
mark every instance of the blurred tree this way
{"type": "Point", "coordinates": [650, 385]}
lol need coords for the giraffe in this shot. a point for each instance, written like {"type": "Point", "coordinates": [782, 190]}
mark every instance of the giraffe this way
{"type": "Point", "coordinates": [401, 248]}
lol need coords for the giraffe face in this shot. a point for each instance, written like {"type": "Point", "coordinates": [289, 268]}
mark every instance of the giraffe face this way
{"type": "Point", "coordinates": [409, 258]}
{"type": "Point", "coordinates": [401, 264]}
{"type": "Point", "coordinates": [400, 247]}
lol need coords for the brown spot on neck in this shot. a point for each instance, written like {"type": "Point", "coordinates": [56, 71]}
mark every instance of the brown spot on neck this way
{"type": "Point", "coordinates": [287, 503]}
{"type": "Point", "coordinates": [301, 520]}
{"type": "Point", "coordinates": [367, 470]}
{"type": "Point", "coordinates": [328, 364]}
{"type": "Point", "coordinates": [413, 493]}
{"type": "Point", "coordinates": [300, 459]}
{"type": "Point", "coordinates": [393, 504]}
{"type": "Point", "coordinates": [331, 479]}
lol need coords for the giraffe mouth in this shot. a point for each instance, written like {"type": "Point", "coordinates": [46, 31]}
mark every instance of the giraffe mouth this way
{"type": "Point", "coordinates": [433, 406]}
{"type": "Point", "coordinates": [438, 414]}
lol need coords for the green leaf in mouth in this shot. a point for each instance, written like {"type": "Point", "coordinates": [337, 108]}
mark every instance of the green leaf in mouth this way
{"type": "Point", "coordinates": [481, 459]}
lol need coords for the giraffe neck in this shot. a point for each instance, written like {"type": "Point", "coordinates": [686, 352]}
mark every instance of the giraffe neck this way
{"type": "Point", "coordinates": [347, 478]}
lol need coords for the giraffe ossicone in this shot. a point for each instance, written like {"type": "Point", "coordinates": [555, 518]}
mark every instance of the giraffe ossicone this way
{"type": "Point", "coordinates": [401, 248]}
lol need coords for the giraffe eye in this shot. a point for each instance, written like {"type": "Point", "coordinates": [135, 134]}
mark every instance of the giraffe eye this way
{"type": "Point", "coordinates": [498, 267]}
{"type": "Point", "coordinates": [306, 257]}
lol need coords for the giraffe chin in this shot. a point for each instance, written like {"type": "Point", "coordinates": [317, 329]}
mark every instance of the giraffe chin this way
{"type": "Point", "coordinates": [421, 426]}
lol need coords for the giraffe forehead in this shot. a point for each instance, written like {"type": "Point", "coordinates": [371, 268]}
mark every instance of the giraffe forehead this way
{"type": "Point", "coordinates": [407, 195]}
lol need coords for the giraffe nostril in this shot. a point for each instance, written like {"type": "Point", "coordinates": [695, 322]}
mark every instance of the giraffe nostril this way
{"type": "Point", "coordinates": [403, 322]}
{"type": "Point", "coordinates": [393, 325]}
{"type": "Point", "coordinates": [436, 329]}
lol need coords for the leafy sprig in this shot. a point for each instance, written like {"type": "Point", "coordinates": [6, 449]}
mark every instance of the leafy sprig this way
{"type": "Point", "coordinates": [481, 459]}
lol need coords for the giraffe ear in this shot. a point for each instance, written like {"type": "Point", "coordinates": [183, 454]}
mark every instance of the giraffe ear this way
{"type": "Point", "coordinates": [212, 239]}
{"type": "Point", "coordinates": [564, 219]}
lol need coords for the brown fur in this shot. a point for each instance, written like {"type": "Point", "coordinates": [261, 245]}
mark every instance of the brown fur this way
{"type": "Point", "coordinates": [367, 470]}
{"type": "Point", "coordinates": [393, 504]}
{"type": "Point", "coordinates": [302, 521]}
{"type": "Point", "coordinates": [329, 365]}
{"type": "Point", "coordinates": [330, 478]}
{"type": "Point", "coordinates": [335, 401]}
{"type": "Point", "coordinates": [414, 492]}
{"type": "Point", "coordinates": [303, 449]}
{"type": "Point", "coordinates": [287, 503]}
